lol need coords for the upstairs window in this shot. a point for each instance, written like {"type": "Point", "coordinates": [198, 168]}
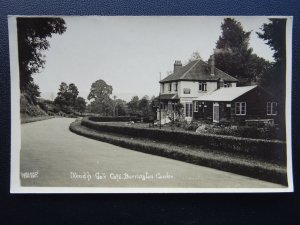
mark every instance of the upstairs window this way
{"type": "Point", "coordinates": [271, 108]}
{"type": "Point", "coordinates": [186, 91]}
{"type": "Point", "coordinates": [202, 86]}
{"type": "Point", "coordinates": [170, 87]}
{"type": "Point", "coordinates": [162, 88]}
{"type": "Point", "coordinates": [240, 108]}
{"type": "Point", "coordinates": [176, 87]}
{"type": "Point", "coordinates": [226, 85]}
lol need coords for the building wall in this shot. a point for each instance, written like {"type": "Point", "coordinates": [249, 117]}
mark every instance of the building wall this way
{"type": "Point", "coordinates": [192, 85]}
{"type": "Point", "coordinates": [256, 106]}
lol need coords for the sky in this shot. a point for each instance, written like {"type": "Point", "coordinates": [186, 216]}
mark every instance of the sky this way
{"type": "Point", "coordinates": [130, 53]}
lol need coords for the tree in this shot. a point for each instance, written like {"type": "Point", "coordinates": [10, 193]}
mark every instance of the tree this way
{"type": "Point", "coordinates": [195, 56]}
{"type": "Point", "coordinates": [133, 105]}
{"type": "Point", "coordinates": [121, 107]}
{"type": "Point", "coordinates": [274, 33]}
{"type": "Point", "coordinates": [100, 94]}
{"type": "Point", "coordinates": [144, 106]}
{"type": "Point", "coordinates": [100, 90]}
{"type": "Point", "coordinates": [234, 56]}
{"type": "Point", "coordinates": [67, 95]}
{"type": "Point", "coordinates": [32, 41]}
{"type": "Point", "coordinates": [74, 93]}
{"type": "Point", "coordinates": [80, 104]}
{"type": "Point", "coordinates": [33, 90]}
{"type": "Point", "coordinates": [275, 36]}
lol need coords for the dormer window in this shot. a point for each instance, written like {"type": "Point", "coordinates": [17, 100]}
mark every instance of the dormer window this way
{"type": "Point", "coordinates": [202, 86]}
{"type": "Point", "coordinates": [170, 87]}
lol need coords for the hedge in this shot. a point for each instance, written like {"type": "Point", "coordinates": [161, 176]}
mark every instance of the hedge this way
{"type": "Point", "coordinates": [110, 118]}
{"type": "Point", "coordinates": [265, 149]}
{"type": "Point", "coordinates": [263, 171]}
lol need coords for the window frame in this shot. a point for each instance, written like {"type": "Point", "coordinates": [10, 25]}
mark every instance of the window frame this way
{"type": "Point", "coordinates": [195, 106]}
{"type": "Point", "coordinates": [202, 86]}
{"type": "Point", "coordinates": [273, 108]}
{"type": "Point", "coordinates": [239, 108]}
{"type": "Point", "coordinates": [176, 86]}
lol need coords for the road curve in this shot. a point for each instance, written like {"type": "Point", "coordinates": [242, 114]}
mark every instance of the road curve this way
{"type": "Point", "coordinates": [52, 156]}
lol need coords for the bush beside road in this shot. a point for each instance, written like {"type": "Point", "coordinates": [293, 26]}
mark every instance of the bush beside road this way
{"type": "Point", "coordinates": [200, 155]}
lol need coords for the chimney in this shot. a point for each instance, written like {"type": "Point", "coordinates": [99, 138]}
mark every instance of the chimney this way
{"type": "Point", "coordinates": [212, 65]}
{"type": "Point", "coordinates": [177, 65]}
{"type": "Point", "coordinates": [220, 83]}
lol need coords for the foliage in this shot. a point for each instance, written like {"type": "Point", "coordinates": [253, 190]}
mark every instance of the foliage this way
{"type": "Point", "coordinates": [100, 90]}
{"type": "Point", "coordinates": [233, 55]}
{"type": "Point", "coordinates": [66, 95]}
{"type": "Point", "coordinates": [100, 94]}
{"type": "Point", "coordinates": [267, 132]}
{"type": "Point", "coordinates": [274, 33]}
{"type": "Point", "coordinates": [110, 118]}
{"type": "Point", "coordinates": [133, 105]}
{"type": "Point", "coordinates": [80, 104]}
{"type": "Point", "coordinates": [32, 41]}
{"type": "Point", "coordinates": [33, 90]}
{"type": "Point", "coordinates": [261, 148]}
{"type": "Point", "coordinates": [195, 56]}
{"type": "Point", "coordinates": [121, 107]}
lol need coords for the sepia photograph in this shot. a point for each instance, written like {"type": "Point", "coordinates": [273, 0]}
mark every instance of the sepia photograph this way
{"type": "Point", "coordinates": [150, 104]}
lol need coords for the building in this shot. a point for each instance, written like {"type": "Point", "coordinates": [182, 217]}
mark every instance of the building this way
{"type": "Point", "coordinates": [210, 94]}
{"type": "Point", "coordinates": [237, 105]}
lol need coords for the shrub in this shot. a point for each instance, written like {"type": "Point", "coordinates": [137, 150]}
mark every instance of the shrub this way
{"type": "Point", "coordinates": [266, 149]}
{"type": "Point", "coordinates": [110, 118]}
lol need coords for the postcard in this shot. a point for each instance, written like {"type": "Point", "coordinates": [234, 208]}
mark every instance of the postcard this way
{"type": "Point", "coordinates": [150, 104]}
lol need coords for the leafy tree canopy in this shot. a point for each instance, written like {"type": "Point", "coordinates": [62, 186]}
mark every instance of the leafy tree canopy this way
{"type": "Point", "coordinates": [274, 33]}
{"type": "Point", "coordinates": [100, 90]}
{"type": "Point", "coordinates": [66, 95]}
{"type": "Point", "coordinates": [32, 41]}
{"type": "Point", "coordinates": [234, 56]}
{"type": "Point", "coordinates": [100, 94]}
{"type": "Point", "coordinates": [80, 104]}
{"type": "Point", "coordinates": [275, 36]}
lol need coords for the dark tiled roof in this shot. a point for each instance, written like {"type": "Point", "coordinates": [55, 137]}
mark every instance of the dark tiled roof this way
{"type": "Point", "coordinates": [198, 70]}
{"type": "Point", "coordinates": [167, 96]}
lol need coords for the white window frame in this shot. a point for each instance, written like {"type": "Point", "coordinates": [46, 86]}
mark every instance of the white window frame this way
{"type": "Point", "coordinates": [271, 107]}
{"type": "Point", "coordinates": [176, 86]}
{"type": "Point", "coordinates": [202, 86]}
{"type": "Point", "coordinates": [188, 109]}
{"type": "Point", "coordinates": [239, 106]}
{"type": "Point", "coordinates": [170, 87]}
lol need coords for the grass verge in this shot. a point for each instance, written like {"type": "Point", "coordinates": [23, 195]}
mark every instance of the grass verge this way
{"type": "Point", "coordinates": [199, 155]}
{"type": "Point", "coordinates": [35, 119]}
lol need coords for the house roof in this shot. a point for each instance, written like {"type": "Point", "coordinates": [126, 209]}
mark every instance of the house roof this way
{"type": "Point", "coordinates": [198, 70]}
{"type": "Point", "coordinates": [226, 94]}
{"type": "Point", "coordinates": [168, 97]}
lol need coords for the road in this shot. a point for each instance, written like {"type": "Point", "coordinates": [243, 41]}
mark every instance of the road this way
{"type": "Point", "coordinates": [52, 156]}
